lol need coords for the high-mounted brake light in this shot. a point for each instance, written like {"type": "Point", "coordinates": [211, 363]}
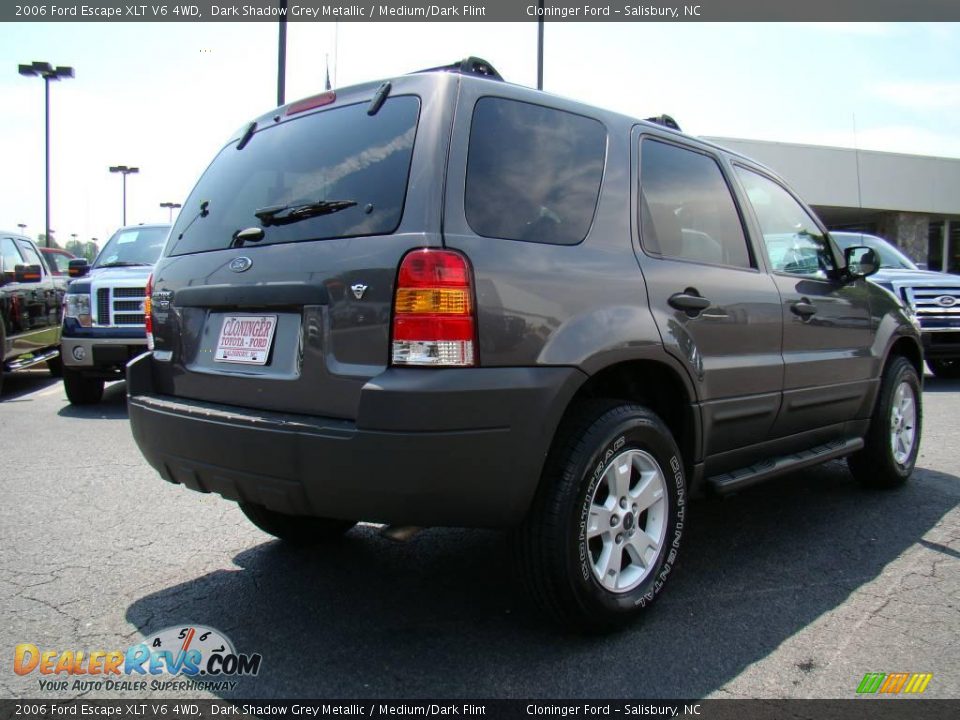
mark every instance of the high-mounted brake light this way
{"type": "Point", "coordinates": [434, 323]}
{"type": "Point", "coordinates": [311, 102]}
{"type": "Point", "coordinates": [147, 311]}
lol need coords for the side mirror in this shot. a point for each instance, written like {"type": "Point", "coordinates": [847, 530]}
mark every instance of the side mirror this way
{"type": "Point", "coordinates": [28, 273]}
{"type": "Point", "coordinates": [78, 267]}
{"type": "Point", "coordinates": [861, 261]}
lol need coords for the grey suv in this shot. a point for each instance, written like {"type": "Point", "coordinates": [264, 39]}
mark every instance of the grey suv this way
{"type": "Point", "coordinates": [448, 300]}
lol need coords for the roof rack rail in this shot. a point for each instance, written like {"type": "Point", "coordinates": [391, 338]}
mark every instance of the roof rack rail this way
{"type": "Point", "coordinates": [467, 66]}
{"type": "Point", "coordinates": [666, 121]}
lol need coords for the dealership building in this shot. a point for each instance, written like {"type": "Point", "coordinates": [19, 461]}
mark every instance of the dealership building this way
{"type": "Point", "coordinates": [911, 200]}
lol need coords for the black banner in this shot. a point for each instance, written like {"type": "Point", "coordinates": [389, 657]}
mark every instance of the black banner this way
{"type": "Point", "coordinates": [139, 709]}
{"type": "Point", "coordinates": [478, 11]}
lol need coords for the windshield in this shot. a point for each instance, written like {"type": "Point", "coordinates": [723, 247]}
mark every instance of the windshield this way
{"type": "Point", "coordinates": [890, 258]}
{"type": "Point", "coordinates": [331, 174]}
{"type": "Point", "coordinates": [133, 246]}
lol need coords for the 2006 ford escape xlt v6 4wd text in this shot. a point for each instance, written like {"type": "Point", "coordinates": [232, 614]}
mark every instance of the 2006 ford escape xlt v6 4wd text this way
{"type": "Point", "coordinates": [448, 300]}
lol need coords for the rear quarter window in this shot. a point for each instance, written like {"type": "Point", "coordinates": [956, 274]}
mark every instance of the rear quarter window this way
{"type": "Point", "coordinates": [533, 172]}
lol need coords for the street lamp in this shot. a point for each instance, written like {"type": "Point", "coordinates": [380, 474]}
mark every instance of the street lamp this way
{"type": "Point", "coordinates": [23, 228]}
{"type": "Point", "coordinates": [170, 206]}
{"type": "Point", "coordinates": [48, 73]}
{"type": "Point", "coordinates": [126, 171]}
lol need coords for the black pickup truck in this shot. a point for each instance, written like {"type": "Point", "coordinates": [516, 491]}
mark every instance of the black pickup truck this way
{"type": "Point", "coordinates": [31, 308]}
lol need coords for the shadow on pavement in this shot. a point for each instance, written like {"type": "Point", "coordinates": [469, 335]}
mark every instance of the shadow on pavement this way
{"type": "Point", "coordinates": [113, 406]}
{"type": "Point", "coordinates": [443, 616]}
{"type": "Point", "coordinates": [23, 382]}
{"type": "Point", "coordinates": [940, 385]}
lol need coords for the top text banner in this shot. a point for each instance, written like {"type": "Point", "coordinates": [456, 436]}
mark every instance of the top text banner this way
{"type": "Point", "coordinates": [482, 11]}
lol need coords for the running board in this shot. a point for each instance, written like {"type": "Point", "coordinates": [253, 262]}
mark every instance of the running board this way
{"type": "Point", "coordinates": [35, 360]}
{"type": "Point", "coordinates": [745, 477]}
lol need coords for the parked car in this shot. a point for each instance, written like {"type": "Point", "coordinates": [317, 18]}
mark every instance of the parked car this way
{"type": "Point", "coordinates": [30, 308]}
{"type": "Point", "coordinates": [933, 296]}
{"type": "Point", "coordinates": [58, 263]}
{"type": "Point", "coordinates": [586, 326]}
{"type": "Point", "coordinates": [103, 325]}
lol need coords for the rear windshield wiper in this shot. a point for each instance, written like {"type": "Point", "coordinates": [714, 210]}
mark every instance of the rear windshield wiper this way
{"type": "Point", "coordinates": [286, 214]}
{"type": "Point", "coordinates": [123, 263]}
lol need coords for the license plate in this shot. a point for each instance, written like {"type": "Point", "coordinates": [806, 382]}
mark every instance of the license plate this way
{"type": "Point", "coordinates": [245, 339]}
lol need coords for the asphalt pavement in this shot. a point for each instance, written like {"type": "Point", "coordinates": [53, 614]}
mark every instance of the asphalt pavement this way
{"type": "Point", "coordinates": [796, 588]}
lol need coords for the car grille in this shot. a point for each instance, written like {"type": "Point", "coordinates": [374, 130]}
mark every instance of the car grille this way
{"type": "Point", "coordinates": [934, 303]}
{"type": "Point", "coordinates": [116, 306]}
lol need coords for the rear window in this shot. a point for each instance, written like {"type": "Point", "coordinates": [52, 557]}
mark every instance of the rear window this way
{"type": "Point", "coordinates": [132, 247]}
{"type": "Point", "coordinates": [533, 173]}
{"type": "Point", "coordinates": [331, 174]}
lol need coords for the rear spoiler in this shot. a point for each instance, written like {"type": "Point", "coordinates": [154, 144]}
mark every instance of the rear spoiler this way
{"type": "Point", "coordinates": [467, 66]}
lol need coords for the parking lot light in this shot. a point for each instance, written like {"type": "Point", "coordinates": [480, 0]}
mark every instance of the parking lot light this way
{"type": "Point", "coordinates": [124, 170]}
{"type": "Point", "coordinates": [48, 73]}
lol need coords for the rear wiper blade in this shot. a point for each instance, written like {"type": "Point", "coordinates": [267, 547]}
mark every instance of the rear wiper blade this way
{"type": "Point", "coordinates": [286, 214]}
{"type": "Point", "coordinates": [123, 263]}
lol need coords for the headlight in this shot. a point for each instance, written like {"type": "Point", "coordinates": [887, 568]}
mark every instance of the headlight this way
{"type": "Point", "coordinates": [78, 307]}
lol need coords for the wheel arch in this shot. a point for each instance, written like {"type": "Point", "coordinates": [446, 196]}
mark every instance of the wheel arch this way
{"type": "Point", "coordinates": [656, 383]}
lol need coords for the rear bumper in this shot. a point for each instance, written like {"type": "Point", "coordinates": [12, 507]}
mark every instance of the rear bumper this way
{"type": "Point", "coordinates": [457, 447]}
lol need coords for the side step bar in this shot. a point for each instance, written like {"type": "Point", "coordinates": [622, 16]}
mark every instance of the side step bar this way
{"type": "Point", "coordinates": [745, 477]}
{"type": "Point", "coordinates": [35, 360]}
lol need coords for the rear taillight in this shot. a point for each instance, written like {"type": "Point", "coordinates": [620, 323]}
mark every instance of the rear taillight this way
{"type": "Point", "coordinates": [147, 312]}
{"type": "Point", "coordinates": [434, 322]}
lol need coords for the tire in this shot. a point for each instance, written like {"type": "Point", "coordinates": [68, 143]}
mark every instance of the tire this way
{"type": "Point", "coordinates": [945, 369]}
{"type": "Point", "coordinates": [295, 529]}
{"type": "Point", "coordinates": [893, 439]}
{"type": "Point", "coordinates": [82, 390]}
{"type": "Point", "coordinates": [577, 530]}
{"type": "Point", "coordinates": [55, 366]}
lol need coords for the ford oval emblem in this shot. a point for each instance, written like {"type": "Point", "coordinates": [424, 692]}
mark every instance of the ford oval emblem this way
{"type": "Point", "coordinates": [240, 264]}
{"type": "Point", "coordinates": [946, 301]}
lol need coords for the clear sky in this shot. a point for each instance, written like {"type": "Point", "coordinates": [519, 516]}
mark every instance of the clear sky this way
{"type": "Point", "coordinates": [165, 96]}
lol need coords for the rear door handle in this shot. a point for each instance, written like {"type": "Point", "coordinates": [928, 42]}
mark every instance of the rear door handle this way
{"type": "Point", "coordinates": [804, 308]}
{"type": "Point", "coordinates": [689, 300]}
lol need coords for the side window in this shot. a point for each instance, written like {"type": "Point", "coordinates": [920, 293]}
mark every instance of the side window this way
{"type": "Point", "coordinates": [10, 254]}
{"type": "Point", "coordinates": [686, 209]}
{"type": "Point", "coordinates": [793, 242]}
{"type": "Point", "coordinates": [31, 257]}
{"type": "Point", "coordinates": [533, 173]}
{"type": "Point", "coordinates": [62, 262]}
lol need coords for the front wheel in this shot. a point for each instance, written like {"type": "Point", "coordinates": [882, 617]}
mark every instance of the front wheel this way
{"type": "Point", "coordinates": [893, 439]}
{"type": "Point", "coordinates": [81, 390]}
{"type": "Point", "coordinates": [945, 369]}
{"type": "Point", "coordinates": [603, 532]}
{"type": "Point", "coordinates": [295, 529]}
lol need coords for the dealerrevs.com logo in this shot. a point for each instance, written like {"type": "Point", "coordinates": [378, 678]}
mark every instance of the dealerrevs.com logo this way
{"type": "Point", "coordinates": [197, 657]}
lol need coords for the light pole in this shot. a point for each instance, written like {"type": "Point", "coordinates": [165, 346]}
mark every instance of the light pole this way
{"type": "Point", "coordinates": [48, 73]}
{"type": "Point", "coordinates": [126, 171]}
{"type": "Point", "coordinates": [170, 206]}
{"type": "Point", "coordinates": [23, 228]}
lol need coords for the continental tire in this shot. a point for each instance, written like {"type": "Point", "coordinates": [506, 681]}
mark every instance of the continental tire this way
{"type": "Point", "coordinates": [295, 529]}
{"type": "Point", "coordinates": [604, 530]}
{"type": "Point", "coordinates": [893, 440]}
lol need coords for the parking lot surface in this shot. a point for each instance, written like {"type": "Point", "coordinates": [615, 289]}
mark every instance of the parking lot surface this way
{"type": "Point", "coordinates": [796, 588]}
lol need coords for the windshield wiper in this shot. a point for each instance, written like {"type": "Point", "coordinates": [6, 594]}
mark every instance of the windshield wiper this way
{"type": "Point", "coordinates": [287, 214]}
{"type": "Point", "coordinates": [123, 263]}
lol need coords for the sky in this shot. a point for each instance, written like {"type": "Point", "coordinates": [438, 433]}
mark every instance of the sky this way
{"type": "Point", "coordinates": [165, 96]}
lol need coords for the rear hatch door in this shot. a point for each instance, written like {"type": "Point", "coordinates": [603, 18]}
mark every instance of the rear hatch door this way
{"type": "Point", "coordinates": [275, 289]}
